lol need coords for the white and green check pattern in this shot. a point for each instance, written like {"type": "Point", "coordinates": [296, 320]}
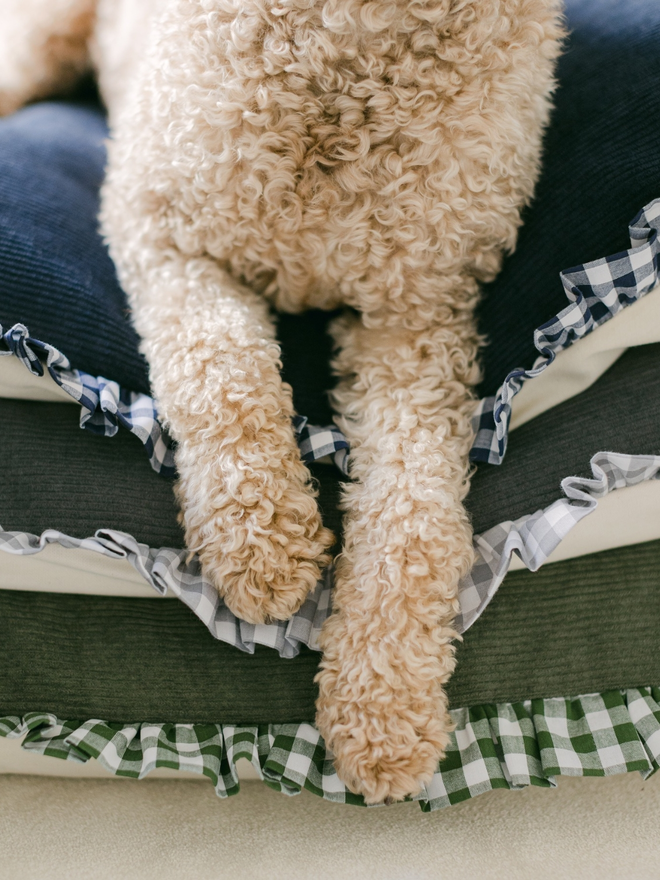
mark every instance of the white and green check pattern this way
{"type": "Point", "coordinates": [504, 745]}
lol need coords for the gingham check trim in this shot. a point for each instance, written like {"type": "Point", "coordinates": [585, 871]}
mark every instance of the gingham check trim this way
{"type": "Point", "coordinates": [536, 536]}
{"type": "Point", "coordinates": [324, 444]}
{"type": "Point", "coordinates": [596, 291]}
{"type": "Point", "coordinates": [503, 745]}
{"type": "Point", "coordinates": [533, 538]}
{"type": "Point", "coordinates": [166, 570]}
{"type": "Point", "coordinates": [105, 406]}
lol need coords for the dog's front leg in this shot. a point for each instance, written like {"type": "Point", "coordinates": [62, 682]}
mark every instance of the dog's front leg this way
{"type": "Point", "coordinates": [388, 645]}
{"type": "Point", "coordinates": [247, 503]}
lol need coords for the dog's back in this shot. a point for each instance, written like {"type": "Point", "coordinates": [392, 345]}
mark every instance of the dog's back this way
{"type": "Point", "coordinates": [369, 153]}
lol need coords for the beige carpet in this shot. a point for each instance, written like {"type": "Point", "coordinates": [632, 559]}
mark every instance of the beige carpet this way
{"type": "Point", "coordinates": [116, 829]}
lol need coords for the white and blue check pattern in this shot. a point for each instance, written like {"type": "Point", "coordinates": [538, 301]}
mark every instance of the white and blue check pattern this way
{"type": "Point", "coordinates": [105, 406]}
{"type": "Point", "coordinates": [324, 444]}
{"type": "Point", "coordinates": [597, 291]}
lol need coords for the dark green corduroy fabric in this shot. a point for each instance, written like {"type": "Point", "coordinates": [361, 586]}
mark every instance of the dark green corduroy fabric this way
{"type": "Point", "coordinates": [586, 625]}
{"type": "Point", "coordinates": [581, 626]}
{"type": "Point", "coordinates": [54, 475]}
{"type": "Point", "coordinates": [139, 660]}
{"type": "Point", "coordinates": [618, 413]}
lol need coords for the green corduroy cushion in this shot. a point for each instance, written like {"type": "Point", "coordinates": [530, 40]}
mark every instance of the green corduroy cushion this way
{"type": "Point", "coordinates": [581, 626]}
{"type": "Point", "coordinates": [54, 475]}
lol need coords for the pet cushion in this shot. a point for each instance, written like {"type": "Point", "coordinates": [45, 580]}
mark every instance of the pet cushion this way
{"type": "Point", "coordinates": [54, 270]}
{"type": "Point", "coordinates": [620, 519]}
{"type": "Point", "coordinates": [56, 476]}
{"type": "Point", "coordinates": [573, 369]}
{"type": "Point", "coordinates": [601, 163]}
{"type": "Point", "coordinates": [51, 465]}
{"type": "Point", "coordinates": [581, 626]}
{"type": "Point", "coordinates": [495, 746]}
{"type": "Point", "coordinates": [619, 412]}
{"type": "Point", "coordinates": [56, 278]}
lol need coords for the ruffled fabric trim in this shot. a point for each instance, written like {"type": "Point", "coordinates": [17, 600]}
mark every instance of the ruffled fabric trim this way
{"type": "Point", "coordinates": [536, 536]}
{"type": "Point", "coordinates": [597, 291]}
{"type": "Point", "coordinates": [105, 406]}
{"type": "Point", "coordinates": [177, 571]}
{"type": "Point", "coordinates": [499, 745]}
{"type": "Point", "coordinates": [532, 537]}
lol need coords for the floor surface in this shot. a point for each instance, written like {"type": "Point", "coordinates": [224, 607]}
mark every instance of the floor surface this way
{"type": "Point", "coordinates": [97, 829]}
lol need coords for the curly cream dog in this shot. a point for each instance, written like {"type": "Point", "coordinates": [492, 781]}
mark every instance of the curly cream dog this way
{"type": "Point", "coordinates": [316, 153]}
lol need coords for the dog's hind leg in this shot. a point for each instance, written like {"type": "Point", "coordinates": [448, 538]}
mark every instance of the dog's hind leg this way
{"type": "Point", "coordinates": [247, 503]}
{"type": "Point", "coordinates": [405, 402]}
{"type": "Point", "coordinates": [43, 48]}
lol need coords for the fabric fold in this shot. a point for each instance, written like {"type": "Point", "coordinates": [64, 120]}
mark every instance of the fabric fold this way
{"type": "Point", "coordinates": [533, 538]}
{"type": "Point", "coordinates": [172, 570]}
{"type": "Point", "coordinates": [597, 291]}
{"type": "Point", "coordinates": [105, 406]}
{"type": "Point", "coordinates": [494, 746]}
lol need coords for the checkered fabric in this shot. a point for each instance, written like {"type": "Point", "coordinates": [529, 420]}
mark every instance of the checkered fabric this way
{"type": "Point", "coordinates": [536, 536]}
{"type": "Point", "coordinates": [323, 444]}
{"type": "Point", "coordinates": [533, 538]}
{"type": "Point", "coordinates": [504, 745]}
{"type": "Point", "coordinates": [105, 406]}
{"type": "Point", "coordinates": [174, 570]}
{"type": "Point", "coordinates": [597, 291]}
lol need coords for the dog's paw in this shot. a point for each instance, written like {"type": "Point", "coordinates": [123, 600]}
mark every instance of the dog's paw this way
{"type": "Point", "coordinates": [274, 581]}
{"type": "Point", "coordinates": [381, 710]}
{"type": "Point", "coordinates": [384, 757]}
{"type": "Point", "coordinates": [264, 558]}
{"type": "Point", "coordinates": [384, 772]}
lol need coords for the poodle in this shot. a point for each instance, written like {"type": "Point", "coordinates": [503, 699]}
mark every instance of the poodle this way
{"type": "Point", "coordinates": [372, 154]}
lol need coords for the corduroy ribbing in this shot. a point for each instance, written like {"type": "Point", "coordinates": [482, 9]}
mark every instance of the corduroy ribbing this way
{"type": "Point", "coordinates": [581, 626]}
{"type": "Point", "coordinates": [601, 165]}
{"type": "Point", "coordinates": [55, 274]}
{"type": "Point", "coordinates": [618, 413]}
{"type": "Point", "coordinates": [56, 476]}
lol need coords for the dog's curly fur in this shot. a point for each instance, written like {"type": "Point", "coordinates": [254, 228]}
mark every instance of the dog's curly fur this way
{"type": "Point", "coordinates": [316, 153]}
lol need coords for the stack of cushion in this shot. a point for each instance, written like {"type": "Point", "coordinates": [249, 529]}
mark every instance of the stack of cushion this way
{"type": "Point", "coordinates": [557, 671]}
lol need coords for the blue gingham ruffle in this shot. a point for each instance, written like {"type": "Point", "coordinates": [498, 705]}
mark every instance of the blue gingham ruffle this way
{"type": "Point", "coordinates": [597, 291]}
{"type": "Point", "coordinates": [105, 406]}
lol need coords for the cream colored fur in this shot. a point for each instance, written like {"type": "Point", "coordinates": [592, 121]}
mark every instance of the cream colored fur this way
{"type": "Point", "coordinates": [316, 153]}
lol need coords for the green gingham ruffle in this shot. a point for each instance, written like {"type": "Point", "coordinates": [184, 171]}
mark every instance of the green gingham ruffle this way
{"type": "Point", "coordinates": [503, 745]}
